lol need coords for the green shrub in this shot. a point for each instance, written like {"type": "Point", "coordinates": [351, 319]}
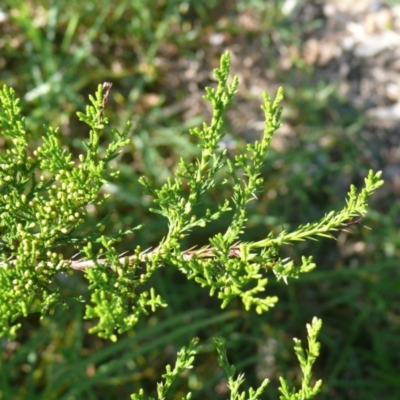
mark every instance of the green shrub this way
{"type": "Point", "coordinates": [47, 195]}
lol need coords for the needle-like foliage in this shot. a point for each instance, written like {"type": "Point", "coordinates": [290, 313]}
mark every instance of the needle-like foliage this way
{"type": "Point", "coordinates": [45, 193]}
{"type": "Point", "coordinates": [44, 197]}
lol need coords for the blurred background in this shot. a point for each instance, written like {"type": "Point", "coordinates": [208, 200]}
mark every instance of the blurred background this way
{"type": "Point", "coordinates": [338, 62]}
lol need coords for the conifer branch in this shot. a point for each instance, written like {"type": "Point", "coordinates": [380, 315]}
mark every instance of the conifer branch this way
{"type": "Point", "coordinates": [45, 194]}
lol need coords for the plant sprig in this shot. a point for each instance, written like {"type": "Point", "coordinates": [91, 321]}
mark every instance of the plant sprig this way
{"type": "Point", "coordinates": [306, 360]}
{"type": "Point", "coordinates": [45, 194]}
{"type": "Point", "coordinates": [186, 358]}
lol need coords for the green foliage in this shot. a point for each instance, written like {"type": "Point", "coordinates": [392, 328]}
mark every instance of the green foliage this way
{"type": "Point", "coordinates": [184, 361]}
{"type": "Point", "coordinates": [186, 357]}
{"type": "Point", "coordinates": [234, 383]}
{"type": "Point", "coordinates": [44, 195]}
{"type": "Point", "coordinates": [306, 363]}
{"type": "Point", "coordinates": [45, 200]}
{"type": "Point", "coordinates": [157, 54]}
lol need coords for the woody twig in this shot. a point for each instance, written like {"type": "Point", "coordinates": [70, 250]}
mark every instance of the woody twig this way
{"type": "Point", "coordinates": [204, 252]}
